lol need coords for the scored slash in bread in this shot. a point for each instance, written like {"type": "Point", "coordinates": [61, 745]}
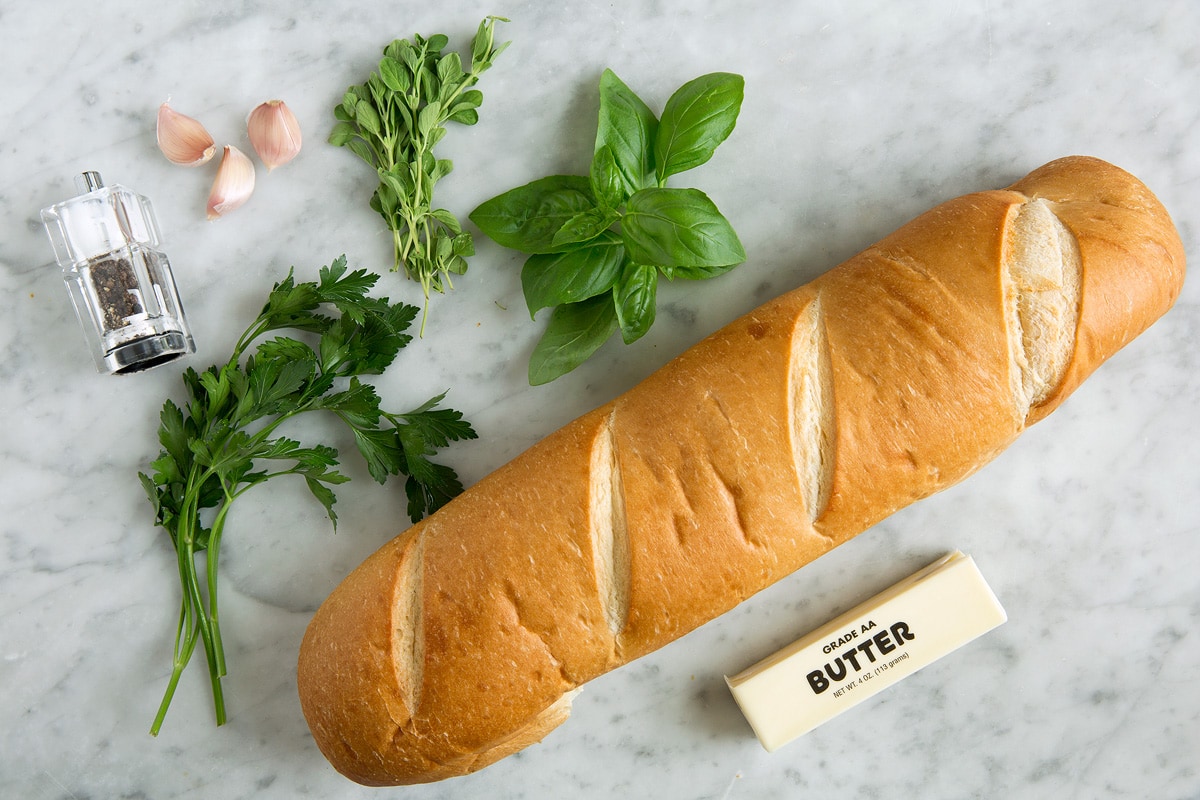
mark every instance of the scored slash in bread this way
{"type": "Point", "coordinates": [789, 431]}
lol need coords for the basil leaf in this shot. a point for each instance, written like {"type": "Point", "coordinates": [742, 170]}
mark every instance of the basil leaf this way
{"type": "Point", "coordinates": [698, 117]}
{"type": "Point", "coordinates": [584, 227]}
{"type": "Point", "coordinates": [693, 273]}
{"type": "Point", "coordinates": [554, 279]}
{"type": "Point", "coordinates": [575, 332]}
{"type": "Point", "coordinates": [679, 228]}
{"type": "Point", "coordinates": [526, 218]}
{"type": "Point", "coordinates": [636, 294]}
{"type": "Point", "coordinates": [627, 127]}
{"type": "Point", "coordinates": [606, 179]}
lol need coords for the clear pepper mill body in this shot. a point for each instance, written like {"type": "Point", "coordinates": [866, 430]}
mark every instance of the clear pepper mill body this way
{"type": "Point", "coordinates": [107, 242]}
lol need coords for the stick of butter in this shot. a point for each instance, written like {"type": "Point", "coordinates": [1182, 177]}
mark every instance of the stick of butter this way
{"type": "Point", "coordinates": [867, 649]}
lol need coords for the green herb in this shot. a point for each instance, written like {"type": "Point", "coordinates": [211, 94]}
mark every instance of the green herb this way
{"type": "Point", "coordinates": [224, 442]}
{"type": "Point", "coordinates": [598, 243]}
{"type": "Point", "coordinates": [393, 121]}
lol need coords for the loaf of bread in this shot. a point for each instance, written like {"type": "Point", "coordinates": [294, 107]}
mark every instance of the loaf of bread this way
{"type": "Point", "coordinates": [794, 428]}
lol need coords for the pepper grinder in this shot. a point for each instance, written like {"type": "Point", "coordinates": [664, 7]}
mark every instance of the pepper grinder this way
{"type": "Point", "coordinates": [107, 242]}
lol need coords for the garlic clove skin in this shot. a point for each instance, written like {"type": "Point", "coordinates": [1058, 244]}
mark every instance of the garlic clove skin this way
{"type": "Point", "coordinates": [274, 132]}
{"type": "Point", "coordinates": [183, 140]}
{"type": "Point", "coordinates": [233, 185]}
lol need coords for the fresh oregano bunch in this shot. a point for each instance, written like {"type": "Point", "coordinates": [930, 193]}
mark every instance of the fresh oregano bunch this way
{"type": "Point", "coordinates": [393, 121]}
{"type": "Point", "coordinates": [224, 440]}
{"type": "Point", "coordinates": [597, 244]}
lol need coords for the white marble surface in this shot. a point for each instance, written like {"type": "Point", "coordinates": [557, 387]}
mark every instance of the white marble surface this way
{"type": "Point", "coordinates": [857, 116]}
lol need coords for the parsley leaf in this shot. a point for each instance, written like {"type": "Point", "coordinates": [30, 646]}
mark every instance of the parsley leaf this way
{"type": "Point", "coordinates": [223, 440]}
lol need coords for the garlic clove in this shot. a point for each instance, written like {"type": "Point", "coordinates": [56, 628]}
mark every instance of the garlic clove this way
{"type": "Point", "coordinates": [233, 185]}
{"type": "Point", "coordinates": [182, 139]}
{"type": "Point", "coordinates": [274, 133]}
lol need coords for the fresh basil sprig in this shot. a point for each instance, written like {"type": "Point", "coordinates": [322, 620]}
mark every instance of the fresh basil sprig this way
{"type": "Point", "coordinates": [393, 121]}
{"type": "Point", "coordinates": [597, 244]}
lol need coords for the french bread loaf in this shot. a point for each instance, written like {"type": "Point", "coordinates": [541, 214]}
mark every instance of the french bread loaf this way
{"type": "Point", "coordinates": [794, 428]}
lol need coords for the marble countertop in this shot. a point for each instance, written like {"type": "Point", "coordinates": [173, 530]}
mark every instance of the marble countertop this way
{"type": "Point", "coordinates": [857, 117]}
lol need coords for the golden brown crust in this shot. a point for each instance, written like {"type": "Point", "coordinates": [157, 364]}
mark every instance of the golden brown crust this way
{"type": "Point", "coordinates": [1132, 256]}
{"type": "Point", "coordinates": [921, 385]}
{"type": "Point", "coordinates": [459, 642]}
{"type": "Point", "coordinates": [352, 707]}
{"type": "Point", "coordinates": [712, 496]}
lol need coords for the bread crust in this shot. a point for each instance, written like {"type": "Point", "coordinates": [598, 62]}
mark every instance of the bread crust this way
{"type": "Point", "coordinates": [507, 582]}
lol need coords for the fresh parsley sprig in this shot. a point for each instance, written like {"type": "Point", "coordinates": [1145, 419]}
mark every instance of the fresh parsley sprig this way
{"type": "Point", "coordinates": [393, 121]}
{"type": "Point", "coordinates": [224, 440]}
{"type": "Point", "coordinates": [598, 243]}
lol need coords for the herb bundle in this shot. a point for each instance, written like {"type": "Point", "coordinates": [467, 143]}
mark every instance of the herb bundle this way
{"type": "Point", "coordinates": [393, 121]}
{"type": "Point", "coordinates": [224, 440]}
{"type": "Point", "coordinates": [598, 243]}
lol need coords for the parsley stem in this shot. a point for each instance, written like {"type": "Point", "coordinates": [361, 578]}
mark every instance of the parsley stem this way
{"type": "Point", "coordinates": [210, 452]}
{"type": "Point", "coordinates": [201, 621]}
{"type": "Point", "coordinates": [193, 597]}
{"type": "Point", "coordinates": [182, 656]}
{"type": "Point", "coordinates": [211, 558]}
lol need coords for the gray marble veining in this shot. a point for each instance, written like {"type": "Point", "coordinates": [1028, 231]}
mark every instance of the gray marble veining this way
{"type": "Point", "coordinates": [857, 117]}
